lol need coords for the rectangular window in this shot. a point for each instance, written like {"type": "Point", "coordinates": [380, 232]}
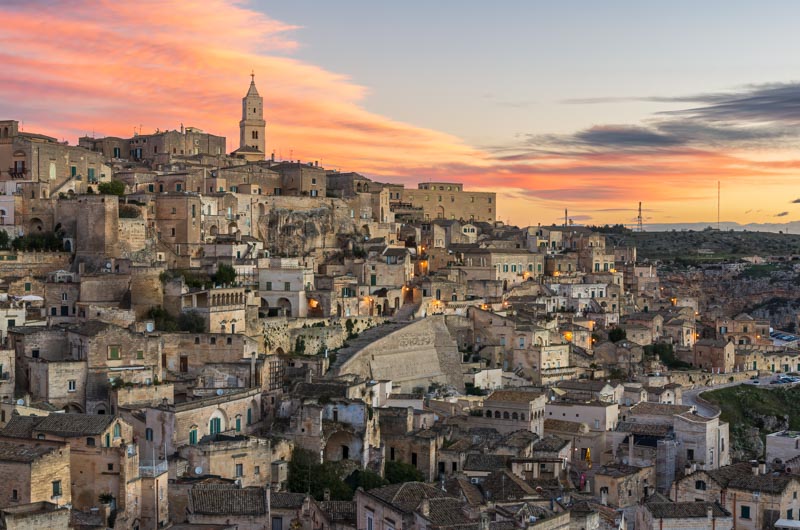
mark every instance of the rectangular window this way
{"type": "Point", "coordinates": [73, 171]}
{"type": "Point", "coordinates": [27, 286]}
{"type": "Point", "coordinates": [745, 512]}
{"type": "Point", "coordinates": [268, 287]}
{"type": "Point", "coordinates": [287, 286]}
{"type": "Point", "coordinates": [113, 353]}
{"type": "Point", "coordinates": [257, 470]}
{"type": "Point", "coordinates": [239, 470]}
{"type": "Point", "coordinates": [56, 488]}
{"type": "Point", "coordinates": [71, 385]}
{"type": "Point", "coordinates": [193, 437]}
{"type": "Point", "coordinates": [413, 459]}
{"type": "Point", "coordinates": [370, 521]}
{"type": "Point", "coordinates": [140, 354]}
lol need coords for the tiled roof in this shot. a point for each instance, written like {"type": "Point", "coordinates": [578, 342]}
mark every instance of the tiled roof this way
{"type": "Point", "coordinates": [461, 487]}
{"type": "Point", "coordinates": [408, 495]}
{"type": "Point", "coordinates": [447, 512]}
{"type": "Point", "coordinates": [20, 426]}
{"type": "Point", "coordinates": [228, 500]}
{"type": "Point", "coordinates": [90, 328]}
{"type": "Point", "coordinates": [485, 462]}
{"type": "Point", "coordinates": [619, 470]}
{"type": "Point", "coordinates": [740, 476]}
{"type": "Point", "coordinates": [14, 451]}
{"type": "Point", "coordinates": [646, 429]}
{"type": "Point", "coordinates": [590, 385]}
{"type": "Point", "coordinates": [514, 396]}
{"type": "Point", "coordinates": [503, 485]}
{"type": "Point", "coordinates": [658, 409]}
{"type": "Point", "coordinates": [564, 426]}
{"type": "Point", "coordinates": [549, 444]}
{"type": "Point", "coordinates": [521, 438]}
{"type": "Point", "coordinates": [685, 510]}
{"type": "Point", "coordinates": [70, 425]}
{"type": "Point", "coordinates": [339, 511]}
{"type": "Point", "coordinates": [287, 500]}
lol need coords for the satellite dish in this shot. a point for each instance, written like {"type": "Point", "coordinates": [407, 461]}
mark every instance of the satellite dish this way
{"type": "Point", "coordinates": [220, 392]}
{"type": "Point", "coordinates": [198, 470]}
{"type": "Point", "coordinates": [20, 402]}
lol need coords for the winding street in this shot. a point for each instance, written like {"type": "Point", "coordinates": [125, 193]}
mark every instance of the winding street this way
{"type": "Point", "coordinates": [709, 411]}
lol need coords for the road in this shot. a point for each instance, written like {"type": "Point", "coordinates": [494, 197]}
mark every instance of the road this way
{"type": "Point", "coordinates": [690, 396]}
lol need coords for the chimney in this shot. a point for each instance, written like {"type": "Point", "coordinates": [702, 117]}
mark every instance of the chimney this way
{"type": "Point", "coordinates": [630, 449]}
{"type": "Point", "coordinates": [425, 507]}
{"type": "Point", "coordinates": [604, 497]}
{"type": "Point", "coordinates": [762, 467]}
{"type": "Point", "coordinates": [710, 512]}
{"type": "Point", "coordinates": [754, 467]}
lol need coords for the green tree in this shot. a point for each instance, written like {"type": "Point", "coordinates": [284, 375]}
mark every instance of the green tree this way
{"type": "Point", "coordinates": [225, 274]}
{"type": "Point", "coordinates": [113, 187]}
{"type": "Point", "coordinates": [397, 472]}
{"type": "Point", "coordinates": [307, 475]}
{"type": "Point", "coordinates": [364, 478]}
{"type": "Point", "coordinates": [192, 322]}
{"type": "Point", "coordinates": [5, 241]}
{"type": "Point", "coordinates": [162, 320]}
{"type": "Point", "coordinates": [617, 334]}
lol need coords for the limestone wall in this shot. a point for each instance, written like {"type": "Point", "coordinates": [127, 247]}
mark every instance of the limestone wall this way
{"type": "Point", "coordinates": [415, 355]}
{"type": "Point", "coordinates": [14, 264]}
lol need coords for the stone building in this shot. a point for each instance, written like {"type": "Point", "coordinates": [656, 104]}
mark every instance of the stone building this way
{"type": "Point", "coordinates": [41, 514]}
{"type": "Point", "coordinates": [102, 456]}
{"type": "Point", "coordinates": [684, 515]}
{"type": "Point", "coordinates": [512, 410]}
{"type": "Point", "coordinates": [624, 485]}
{"type": "Point", "coordinates": [715, 355]}
{"type": "Point", "coordinates": [782, 445]}
{"type": "Point", "coordinates": [167, 427]}
{"type": "Point", "coordinates": [42, 159]}
{"type": "Point", "coordinates": [449, 200]}
{"type": "Point", "coordinates": [220, 504]}
{"type": "Point", "coordinates": [34, 471]}
{"type": "Point", "coordinates": [245, 459]}
{"type": "Point", "coordinates": [755, 497]}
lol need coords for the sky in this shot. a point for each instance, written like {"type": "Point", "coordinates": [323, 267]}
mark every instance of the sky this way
{"type": "Point", "coordinates": [584, 105]}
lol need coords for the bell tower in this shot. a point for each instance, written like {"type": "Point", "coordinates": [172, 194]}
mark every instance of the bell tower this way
{"type": "Point", "coordinates": [252, 126]}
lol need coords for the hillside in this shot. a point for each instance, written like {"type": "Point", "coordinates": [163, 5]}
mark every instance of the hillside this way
{"type": "Point", "coordinates": [753, 412]}
{"type": "Point", "coordinates": [707, 245]}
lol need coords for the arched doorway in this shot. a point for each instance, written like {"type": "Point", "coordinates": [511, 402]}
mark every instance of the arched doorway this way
{"type": "Point", "coordinates": [343, 445]}
{"type": "Point", "coordinates": [285, 306]}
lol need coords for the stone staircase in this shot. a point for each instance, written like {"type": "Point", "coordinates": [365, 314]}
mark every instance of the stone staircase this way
{"type": "Point", "coordinates": [406, 312]}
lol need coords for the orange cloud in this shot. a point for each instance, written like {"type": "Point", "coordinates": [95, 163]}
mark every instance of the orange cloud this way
{"type": "Point", "coordinates": [72, 68]}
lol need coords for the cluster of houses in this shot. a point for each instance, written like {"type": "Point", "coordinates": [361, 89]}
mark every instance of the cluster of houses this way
{"type": "Point", "coordinates": [178, 323]}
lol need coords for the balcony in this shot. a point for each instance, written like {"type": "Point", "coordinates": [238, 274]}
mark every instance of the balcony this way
{"type": "Point", "coordinates": [152, 469]}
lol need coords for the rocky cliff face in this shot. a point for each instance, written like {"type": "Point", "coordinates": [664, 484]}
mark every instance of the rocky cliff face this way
{"type": "Point", "coordinates": [289, 229]}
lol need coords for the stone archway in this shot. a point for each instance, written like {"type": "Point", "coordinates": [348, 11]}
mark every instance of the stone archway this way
{"type": "Point", "coordinates": [343, 445]}
{"type": "Point", "coordinates": [35, 224]}
{"type": "Point", "coordinates": [285, 306]}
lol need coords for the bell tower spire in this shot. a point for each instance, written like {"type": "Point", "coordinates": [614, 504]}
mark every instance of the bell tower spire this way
{"type": "Point", "coordinates": [252, 127]}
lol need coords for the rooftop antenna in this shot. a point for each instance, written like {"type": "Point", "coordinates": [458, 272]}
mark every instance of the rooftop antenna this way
{"type": "Point", "coordinates": [565, 217]}
{"type": "Point", "coordinates": [639, 219]}
{"type": "Point", "coordinates": [718, 197]}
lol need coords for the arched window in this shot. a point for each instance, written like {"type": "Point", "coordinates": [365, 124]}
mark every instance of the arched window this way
{"type": "Point", "coordinates": [505, 415]}
{"type": "Point", "coordinates": [497, 414]}
{"type": "Point", "coordinates": [488, 413]}
{"type": "Point", "coordinates": [90, 442]}
{"type": "Point", "coordinates": [255, 134]}
{"type": "Point", "coordinates": [522, 416]}
{"type": "Point", "coordinates": [514, 416]}
{"type": "Point", "coordinates": [700, 485]}
{"type": "Point", "coordinates": [193, 435]}
{"type": "Point", "coordinates": [117, 430]}
{"type": "Point", "coordinates": [215, 425]}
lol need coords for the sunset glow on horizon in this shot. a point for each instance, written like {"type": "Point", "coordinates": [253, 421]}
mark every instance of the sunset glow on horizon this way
{"type": "Point", "coordinates": [108, 69]}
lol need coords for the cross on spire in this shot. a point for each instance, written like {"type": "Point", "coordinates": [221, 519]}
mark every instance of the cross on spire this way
{"type": "Point", "coordinates": [252, 76]}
